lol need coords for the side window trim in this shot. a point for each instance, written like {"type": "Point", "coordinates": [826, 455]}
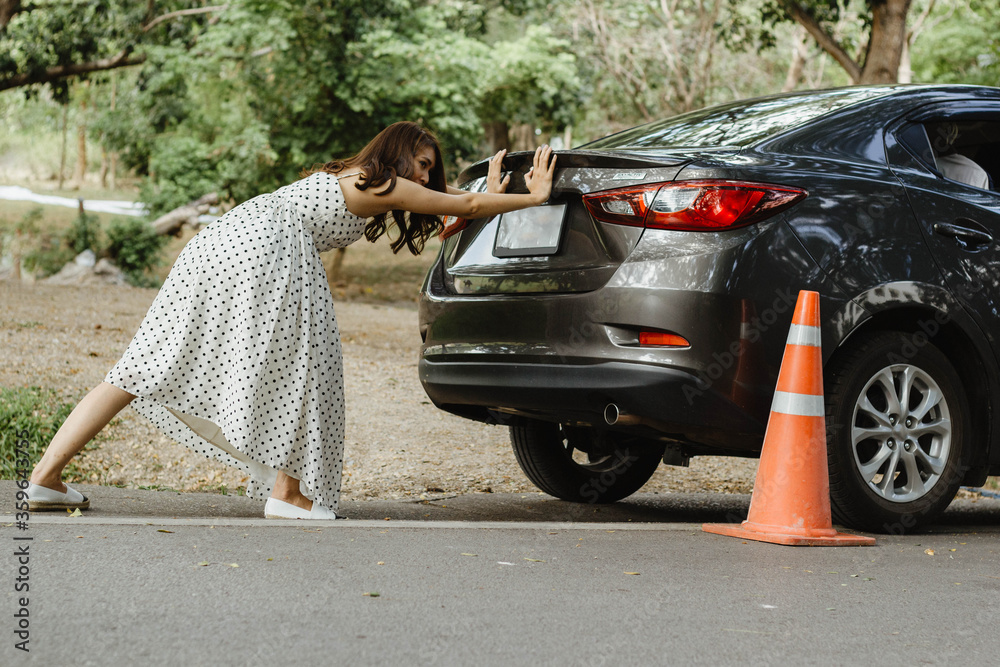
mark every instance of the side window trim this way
{"type": "Point", "coordinates": [913, 137]}
{"type": "Point", "coordinates": [958, 111]}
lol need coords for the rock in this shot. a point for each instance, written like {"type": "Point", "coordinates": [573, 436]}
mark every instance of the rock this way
{"type": "Point", "coordinates": [102, 272]}
{"type": "Point", "coordinates": [111, 273]}
{"type": "Point", "coordinates": [70, 274]}
{"type": "Point", "coordinates": [86, 258]}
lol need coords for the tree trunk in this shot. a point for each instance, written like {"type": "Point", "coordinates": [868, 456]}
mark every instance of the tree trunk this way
{"type": "Point", "coordinates": [80, 174]}
{"type": "Point", "coordinates": [905, 68]}
{"type": "Point", "coordinates": [497, 135]}
{"type": "Point", "coordinates": [104, 168]}
{"type": "Point", "coordinates": [885, 44]}
{"type": "Point", "coordinates": [799, 51]}
{"type": "Point", "coordinates": [18, 245]}
{"type": "Point", "coordinates": [524, 137]}
{"type": "Point", "coordinates": [114, 155]}
{"type": "Point", "coordinates": [173, 222]}
{"type": "Point", "coordinates": [8, 8]}
{"type": "Point", "coordinates": [62, 148]}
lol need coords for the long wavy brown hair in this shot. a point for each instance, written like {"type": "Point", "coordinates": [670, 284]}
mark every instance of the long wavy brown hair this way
{"type": "Point", "coordinates": [387, 157]}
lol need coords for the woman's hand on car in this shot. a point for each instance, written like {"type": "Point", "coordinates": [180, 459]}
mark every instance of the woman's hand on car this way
{"type": "Point", "coordinates": [539, 179]}
{"type": "Point", "coordinates": [496, 182]}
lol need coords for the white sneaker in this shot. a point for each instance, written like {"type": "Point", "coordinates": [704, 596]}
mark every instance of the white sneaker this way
{"type": "Point", "coordinates": [41, 498]}
{"type": "Point", "coordinates": [279, 509]}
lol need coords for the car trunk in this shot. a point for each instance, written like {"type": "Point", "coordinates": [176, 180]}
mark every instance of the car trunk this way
{"type": "Point", "coordinates": [573, 252]}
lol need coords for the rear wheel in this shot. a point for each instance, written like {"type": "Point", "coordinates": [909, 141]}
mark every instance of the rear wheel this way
{"type": "Point", "coordinates": [580, 464]}
{"type": "Point", "coordinates": [897, 419]}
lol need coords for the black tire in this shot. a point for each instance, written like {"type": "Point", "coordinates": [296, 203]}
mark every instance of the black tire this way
{"type": "Point", "coordinates": [893, 466]}
{"type": "Point", "coordinates": [611, 468]}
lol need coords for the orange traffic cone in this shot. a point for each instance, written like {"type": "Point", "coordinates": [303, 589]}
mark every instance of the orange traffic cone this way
{"type": "Point", "coordinates": [791, 495]}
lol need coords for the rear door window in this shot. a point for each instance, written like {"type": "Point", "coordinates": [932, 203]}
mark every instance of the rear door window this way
{"type": "Point", "coordinates": [961, 150]}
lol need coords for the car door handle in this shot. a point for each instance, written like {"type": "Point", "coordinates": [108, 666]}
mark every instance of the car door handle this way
{"type": "Point", "coordinates": [962, 233]}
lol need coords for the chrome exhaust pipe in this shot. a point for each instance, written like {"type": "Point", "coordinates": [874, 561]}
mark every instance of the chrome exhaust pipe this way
{"type": "Point", "coordinates": [613, 416]}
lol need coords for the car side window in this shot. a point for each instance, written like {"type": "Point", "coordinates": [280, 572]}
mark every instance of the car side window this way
{"type": "Point", "coordinates": [964, 151]}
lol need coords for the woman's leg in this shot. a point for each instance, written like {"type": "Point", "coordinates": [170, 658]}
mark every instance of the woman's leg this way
{"type": "Point", "coordinates": [87, 419]}
{"type": "Point", "coordinates": [287, 489]}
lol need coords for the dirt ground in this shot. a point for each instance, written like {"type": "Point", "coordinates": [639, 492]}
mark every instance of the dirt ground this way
{"type": "Point", "coordinates": [398, 444]}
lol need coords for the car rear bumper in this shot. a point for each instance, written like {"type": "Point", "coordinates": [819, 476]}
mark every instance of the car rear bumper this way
{"type": "Point", "coordinates": [565, 356]}
{"type": "Point", "coordinates": [651, 397]}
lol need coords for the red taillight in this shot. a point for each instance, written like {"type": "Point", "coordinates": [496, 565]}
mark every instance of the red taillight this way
{"type": "Point", "coordinates": [662, 339]}
{"type": "Point", "coordinates": [452, 226]}
{"type": "Point", "coordinates": [692, 205]}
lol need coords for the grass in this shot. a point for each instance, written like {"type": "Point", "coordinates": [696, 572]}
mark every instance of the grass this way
{"type": "Point", "coordinates": [29, 417]}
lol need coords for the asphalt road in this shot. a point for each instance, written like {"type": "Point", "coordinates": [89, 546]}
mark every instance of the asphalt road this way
{"type": "Point", "coordinates": [163, 578]}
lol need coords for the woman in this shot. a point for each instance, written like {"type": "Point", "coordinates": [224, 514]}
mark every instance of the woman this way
{"type": "Point", "coordinates": [239, 355]}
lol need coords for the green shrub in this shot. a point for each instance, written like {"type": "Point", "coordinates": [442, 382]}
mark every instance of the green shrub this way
{"type": "Point", "coordinates": [184, 172]}
{"type": "Point", "coordinates": [30, 414]}
{"type": "Point", "coordinates": [48, 256]}
{"type": "Point", "coordinates": [84, 234]}
{"type": "Point", "coordinates": [134, 247]}
{"type": "Point", "coordinates": [18, 239]}
{"type": "Point", "coordinates": [25, 227]}
{"type": "Point", "coordinates": [50, 252]}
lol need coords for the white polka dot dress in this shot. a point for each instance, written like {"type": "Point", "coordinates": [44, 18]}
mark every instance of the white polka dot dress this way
{"type": "Point", "coordinates": [239, 355]}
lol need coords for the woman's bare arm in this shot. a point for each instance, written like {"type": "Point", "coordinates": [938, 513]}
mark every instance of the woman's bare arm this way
{"type": "Point", "coordinates": [410, 196]}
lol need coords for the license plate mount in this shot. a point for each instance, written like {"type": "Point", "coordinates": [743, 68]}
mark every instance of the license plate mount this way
{"type": "Point", "coordinates": [530, 232]}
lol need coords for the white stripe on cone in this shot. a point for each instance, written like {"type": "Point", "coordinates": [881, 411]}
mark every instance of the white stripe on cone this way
{"type": "Point", "coordinates": [803, 334]}
{"type": "Point", "coordinates": [803, 405]}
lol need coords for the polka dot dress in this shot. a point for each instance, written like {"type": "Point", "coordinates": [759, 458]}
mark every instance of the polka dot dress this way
{"type": "Point", "coordinates": [239, 356]}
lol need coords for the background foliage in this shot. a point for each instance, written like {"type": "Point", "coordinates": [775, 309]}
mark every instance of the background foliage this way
{"type": "Point", "coordinates": [237, 98]}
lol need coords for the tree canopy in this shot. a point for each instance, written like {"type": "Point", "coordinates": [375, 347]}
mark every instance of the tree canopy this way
{"type": "Point", "coordinates": [238, 96]}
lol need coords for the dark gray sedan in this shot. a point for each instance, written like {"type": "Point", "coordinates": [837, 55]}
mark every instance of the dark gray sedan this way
{"type": "Point", "coordinates": [641, 315]}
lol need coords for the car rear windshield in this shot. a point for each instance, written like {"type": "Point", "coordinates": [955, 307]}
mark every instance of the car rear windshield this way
{"type": "Point", "coordinates": [737, 124]}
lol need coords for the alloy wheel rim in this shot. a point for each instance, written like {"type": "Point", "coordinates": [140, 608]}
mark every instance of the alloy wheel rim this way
{"type": "Point", "coordinates": [901, 433]}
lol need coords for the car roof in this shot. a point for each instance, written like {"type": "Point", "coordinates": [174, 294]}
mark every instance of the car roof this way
{"type": "Point", "coordinates": [856, 131]}
{"type": "Point", "coordinates": [773, 119]}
